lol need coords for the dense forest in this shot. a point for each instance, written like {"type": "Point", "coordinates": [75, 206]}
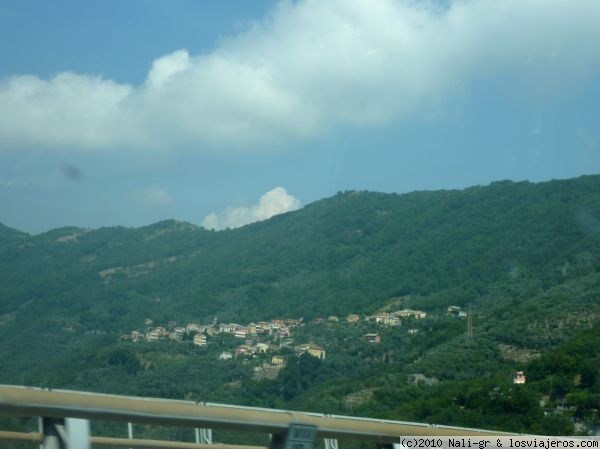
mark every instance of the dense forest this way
{"type": "Point", "coordinates": [523, 257]}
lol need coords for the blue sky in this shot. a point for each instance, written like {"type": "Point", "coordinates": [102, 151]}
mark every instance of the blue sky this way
{"type": "Point", "coordinates": [222, 113]}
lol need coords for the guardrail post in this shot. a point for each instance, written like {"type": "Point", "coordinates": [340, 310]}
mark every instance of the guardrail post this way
{"type": "Point", "coordinates": [206, 436]}
{"type": "Point", "coordinates": [41, 429]}
{"type": "Point", "coordinates": [52, 436]}
{"type": "Point", "coordinates": [331, 443]}
{"type": "Point", "coordinates": [203, 436]}
{"type": "Point", "coordinates": [69, 433]}
{"type": "Point", "coordinates": [130, 430]}
{"type": "Point", "coordinates": [78, 433]}
{"type": "Point", "coordinates": [298, 436]}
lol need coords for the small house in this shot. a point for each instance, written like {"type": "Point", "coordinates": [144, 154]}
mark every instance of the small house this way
{"type": "Point", "coordinates": [372, 338]}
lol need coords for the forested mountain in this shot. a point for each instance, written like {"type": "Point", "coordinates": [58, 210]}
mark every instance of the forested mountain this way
{"type": "Point", "coordinates": [524, 257]}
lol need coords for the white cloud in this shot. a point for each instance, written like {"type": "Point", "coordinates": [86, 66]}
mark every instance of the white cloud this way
{"type": "Point", "coordinates": [68, 110]}
{"type": "Point", "coordinates": [310, 66]}
{"type": "Point", "coordinates": [153, 196]}
{"type": "Point", "coordinates": [274, 202]}
{"type": "Point", "coordinates": [166, 67]}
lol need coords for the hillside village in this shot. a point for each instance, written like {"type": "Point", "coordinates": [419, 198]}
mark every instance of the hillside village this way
{"type": "Point", "coordinates": [521, 358]}
{"type": "Point", "coordinates": [269, 337]}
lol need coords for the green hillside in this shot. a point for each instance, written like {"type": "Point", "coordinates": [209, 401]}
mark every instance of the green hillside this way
{"type": "Point", "coordinates": [525, 257]}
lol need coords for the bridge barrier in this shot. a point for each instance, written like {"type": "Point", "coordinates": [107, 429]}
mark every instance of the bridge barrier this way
{"type": "Point", "coordinates": [290, 429]}
{"type": "Point", "coordinates": [37, 437]}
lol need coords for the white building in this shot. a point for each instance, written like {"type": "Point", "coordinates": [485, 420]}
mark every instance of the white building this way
{"type": "Point", "coordinates": [200, 340]}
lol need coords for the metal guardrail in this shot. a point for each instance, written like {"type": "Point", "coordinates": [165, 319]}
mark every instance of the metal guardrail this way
{"type": "Point", "coordinates": [58, 404]}
{"type": "Point", "coordinates": [37, 437]}
{"type": "Point", "coordinates": [28, 437]}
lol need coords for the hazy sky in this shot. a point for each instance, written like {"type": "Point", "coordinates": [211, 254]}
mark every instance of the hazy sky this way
{"type": "Point", "coordinates": [221, 113]}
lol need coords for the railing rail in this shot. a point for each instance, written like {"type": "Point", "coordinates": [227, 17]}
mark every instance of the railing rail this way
{"type": "Point", "coordinates": [29, 437]}
{"type": "Point", "coordinates": [37, 437]}
{"type": "Point", "coordinates": [59, 404]}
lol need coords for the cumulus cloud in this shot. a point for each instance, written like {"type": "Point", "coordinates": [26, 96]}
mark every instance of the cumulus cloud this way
{"type": "Point", "coordinates": [309, 66]}
{"type": "Point", "coordinates": [167, 66]}
{"type": "Point", "coordinates": [274, 202]}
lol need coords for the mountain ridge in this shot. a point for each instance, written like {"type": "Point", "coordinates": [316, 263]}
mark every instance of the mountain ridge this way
{"type": "Point", "coordinates": [525, 256]}
{"type": "Point", "coordinates": [176, 222]}
{"type": "Point", "coordinates": [355, 234]}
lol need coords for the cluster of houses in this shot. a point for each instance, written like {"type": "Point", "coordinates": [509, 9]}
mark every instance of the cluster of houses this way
{"type": "Point", "coordinates": [250, 349]}
{"type": "Point", "coordinates": [393, 318]}
{"type": "Point", "coordinates": [264, 336]}
{"type": "Point", "coordinates": [383, 318]}
{"type": "Point", "coordinates": [279, 329]}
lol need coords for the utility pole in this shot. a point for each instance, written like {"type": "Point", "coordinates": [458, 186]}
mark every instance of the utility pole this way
{"type": "Point", "coordinates": [469, 325]}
